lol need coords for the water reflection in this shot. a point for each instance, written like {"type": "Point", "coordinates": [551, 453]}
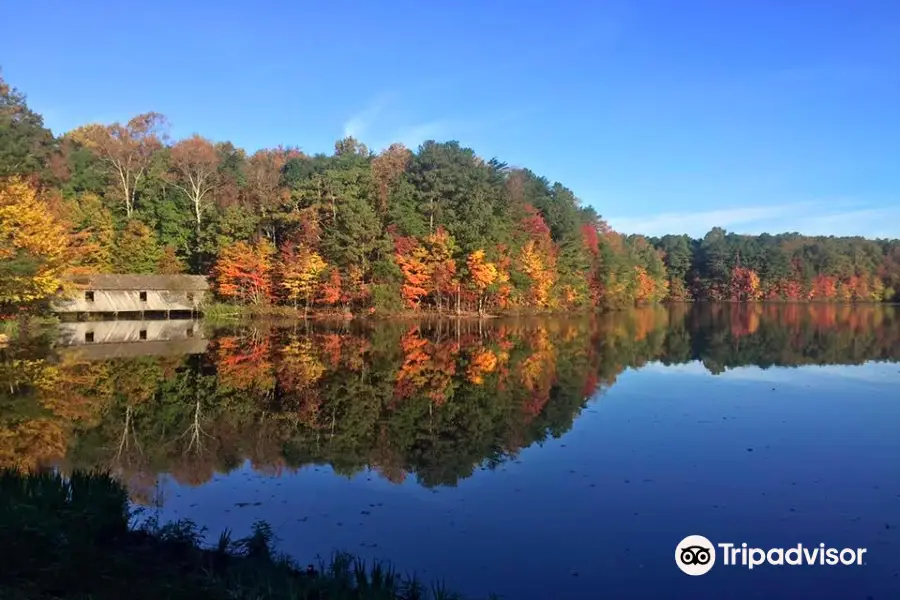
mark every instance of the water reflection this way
{"type": "Point", "coordinates": [101, 340]}
{"type": "Point", "coordinates": [431, 400]}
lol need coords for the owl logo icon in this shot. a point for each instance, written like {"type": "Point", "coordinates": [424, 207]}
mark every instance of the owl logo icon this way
{"type": "Point", "coordinates": [695, 555]}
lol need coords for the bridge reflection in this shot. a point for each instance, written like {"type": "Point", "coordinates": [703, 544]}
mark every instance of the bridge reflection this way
{"type": "Point", "coordinates": [102, 340]}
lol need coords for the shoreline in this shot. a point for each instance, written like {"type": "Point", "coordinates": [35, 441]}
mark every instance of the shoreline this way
{"type": "Point", "coordinates": [10, 325]}
{"type": "Point", "coordinates": [79, 533]}
{"type": "Point", "coordinates": [239, 312]}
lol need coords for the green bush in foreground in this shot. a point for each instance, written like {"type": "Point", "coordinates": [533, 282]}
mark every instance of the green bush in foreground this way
{"type": "Point", "coordinates": [70, 538]}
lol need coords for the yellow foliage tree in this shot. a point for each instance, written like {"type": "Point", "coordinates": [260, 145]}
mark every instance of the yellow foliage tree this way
{"type": "Point", "coordinates": [541, 277]}
{"type": "Point", "coordinates": [33, 246]}
{"type": "Point", "coordinates": [94, 224]}
{"type": "Point", "coordinates": [300, 273]}
{"type": "Point", "coordinates": [440, 264]}
{"type": "Point", "coordinates": [876, 292]}
{"type": "Point", "coordinates": [649, 288]}
{"type": "Point", "coordinates": [483, 274]}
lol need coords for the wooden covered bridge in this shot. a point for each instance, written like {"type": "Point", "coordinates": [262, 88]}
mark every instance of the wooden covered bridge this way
{"type": "Point", "coordinates": [115, 295]}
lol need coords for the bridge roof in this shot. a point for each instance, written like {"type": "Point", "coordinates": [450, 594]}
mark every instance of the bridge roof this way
{"type": "Point", "coordinates": [171, 283]}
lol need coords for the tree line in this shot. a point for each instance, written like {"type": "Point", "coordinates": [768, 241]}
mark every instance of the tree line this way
{"type": "Point", "coordinates": [435, 228]}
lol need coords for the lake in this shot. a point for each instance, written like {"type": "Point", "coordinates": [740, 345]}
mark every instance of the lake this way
{"type": "Point", "coordinates": [535, 458]}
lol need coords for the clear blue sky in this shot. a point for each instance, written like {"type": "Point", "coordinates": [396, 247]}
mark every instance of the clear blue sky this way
{"type": "Point", "coordinates": [666, 116]}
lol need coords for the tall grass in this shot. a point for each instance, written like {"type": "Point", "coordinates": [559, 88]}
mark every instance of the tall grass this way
{"type": "Point", "coordinates": [73, 537]}
{"type": "Point", "coordinates": [219, 312]}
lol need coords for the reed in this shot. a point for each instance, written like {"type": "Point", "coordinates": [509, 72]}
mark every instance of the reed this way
{"type": "Point", "coordinates": [77, 537]}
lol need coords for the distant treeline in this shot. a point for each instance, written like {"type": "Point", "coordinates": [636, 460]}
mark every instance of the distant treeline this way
{"type": "Point", "coordinates": [437, 228]}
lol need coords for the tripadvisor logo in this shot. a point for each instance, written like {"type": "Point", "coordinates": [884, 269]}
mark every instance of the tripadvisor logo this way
{"type": "Point", "coordinates": [696, 555]}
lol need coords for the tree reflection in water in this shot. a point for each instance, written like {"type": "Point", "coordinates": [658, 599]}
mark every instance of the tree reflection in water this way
{"type": "Point", "coordinates": [432, 400]}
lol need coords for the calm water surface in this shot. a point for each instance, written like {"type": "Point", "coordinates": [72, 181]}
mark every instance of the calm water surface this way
{"type": "Point", "coordinates": [547, 458]}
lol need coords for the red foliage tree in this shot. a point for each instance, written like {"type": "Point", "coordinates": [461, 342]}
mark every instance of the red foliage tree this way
{"type": "Point", "coordinates": [744, 285]}
{"type": "Point", "coordinates": [243, 272]}
{"type": "Point", "coordinates": [331, 289]}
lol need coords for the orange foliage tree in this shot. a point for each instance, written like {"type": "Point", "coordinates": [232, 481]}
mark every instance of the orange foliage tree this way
{"type": "Point", "coordinates": [744, 285]}
{"type": "Point", "coordinates": [824, 287]}
{"type": "Point", "coordinates": [441, 266]}
{"type": "Point", "coordinates": [244, 272]}
{"type": "Point", "coordinates": [416, 275]}
{"type": "Point", "coordinates": [483, 274]}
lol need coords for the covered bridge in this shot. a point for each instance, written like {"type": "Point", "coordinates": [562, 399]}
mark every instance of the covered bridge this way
{"type": "Point", "coordinates": [114, 294]}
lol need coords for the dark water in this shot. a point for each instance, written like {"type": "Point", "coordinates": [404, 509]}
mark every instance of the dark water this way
{"type": "Point", "coordinates": [546, 458]}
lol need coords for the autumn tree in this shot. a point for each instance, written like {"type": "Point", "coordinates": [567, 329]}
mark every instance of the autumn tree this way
{"type": "Point", "coordinates": [195, 171]}
{"type": "Point", "coordinates": [331, 289]}
{"type": "Point", "coordinates": [534, 265]}
{"type": "Point", "coordinates": [169, 263]}
{"type": "Point", "coordinates": [387, 168]}
{"type": "Point", "coordinates": [136, 250]}
{"type": "Point", "coordinates": [824, 287]}
{"type": "Point", "coordinates": [483, 274]}
{"type": "Point", "coordinates": [416, 274]}
{"type": "Point", "coordinates": [89, 217]}
{"type": "Point", "coordinates": [503, 283]}
{"type": "Point", "coordinates": [744, 284]}
{"type": "Point", "coordinates": [646, 287]}
{"type": "Point", "coordinates": [440, 264]}
{"type": "Point", "coordinates": [243, 272]}
{"type": "Point", "coordinates": [34, 250]}
{"type": "Point", "coordinates": [127, 150]}
{"type": "Point", "coordinates": [301, 269]}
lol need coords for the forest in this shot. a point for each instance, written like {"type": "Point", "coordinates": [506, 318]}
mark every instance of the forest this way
{"type": "Point", "coordinates": [437, 228]}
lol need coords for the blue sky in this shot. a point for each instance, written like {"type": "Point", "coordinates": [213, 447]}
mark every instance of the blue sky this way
{"type": "Point", "coordinates": [666, 116]}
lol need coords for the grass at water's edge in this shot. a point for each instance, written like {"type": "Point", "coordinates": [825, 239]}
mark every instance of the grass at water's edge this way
{"type": "Point", "coordinates": [76, 538]}
{"type": "Point", "coordinates": [218, 311]}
